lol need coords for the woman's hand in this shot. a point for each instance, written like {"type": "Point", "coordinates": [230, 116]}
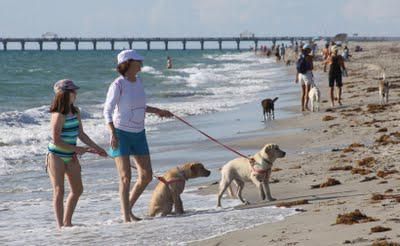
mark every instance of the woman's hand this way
{"type": "Point", "coordinates": [114, 141]}
{"type": "Point", "coordinates": [81, 150]}
{"type": "Point", "coordinates": [164, 113]}
{"type": "Point", "coordinates": [99, 151]}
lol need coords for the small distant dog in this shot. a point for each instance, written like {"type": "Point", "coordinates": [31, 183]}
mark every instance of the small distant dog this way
{"type": "Point", "coordinates": [268, 106]}
{"type": "Point", "coordinates": [258, 171]}
{"type": "Point", "coordinates": [288, 62]}
{"type": "Point", "coordinates": [384, 90]}
{"type": "Point", "coordinates": [315, 98]}
{"type": "Point", "coordinates": [168, 192]}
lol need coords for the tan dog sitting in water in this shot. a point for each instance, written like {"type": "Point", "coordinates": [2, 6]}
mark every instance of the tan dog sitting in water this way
{"type": "Point", "coordinates": [258, 171]}
{"type": "Point", "coordinates": [168, 191]}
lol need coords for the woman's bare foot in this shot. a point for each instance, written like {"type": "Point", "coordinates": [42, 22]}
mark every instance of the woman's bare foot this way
{"type": "Point", "coordinates": [134, 218]}
{"type": "Point", "coordinates": [68, 225]}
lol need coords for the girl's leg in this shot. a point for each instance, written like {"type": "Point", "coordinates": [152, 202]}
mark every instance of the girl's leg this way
{"type": "Point", "coordinates": [73, 171]}
{"type": "Point", "coordinates": [303, 95]}
{"type": "Point", "coordinates": [124, 170]}
{"type": "Point", "coordinates": [339, 95]}
{"type": "Point", "coordinates": [56, 169]}
{"type": "Point", "coordinates": [145, 175]}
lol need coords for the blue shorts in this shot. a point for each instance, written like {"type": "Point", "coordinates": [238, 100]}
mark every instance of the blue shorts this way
{"type": "Point", "coordinates": [130, 143]}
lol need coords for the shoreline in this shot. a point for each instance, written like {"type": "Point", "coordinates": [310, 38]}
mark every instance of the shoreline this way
{"type": "Point", "coordinates": [319, 147]}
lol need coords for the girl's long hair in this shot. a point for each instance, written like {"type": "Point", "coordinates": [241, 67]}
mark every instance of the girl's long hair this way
{"type": "Point", "coordinates": [62, 105]}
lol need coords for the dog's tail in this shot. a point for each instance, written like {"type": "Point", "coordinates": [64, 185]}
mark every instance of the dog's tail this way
{"type": "Point", "coordinates": [275, 99]}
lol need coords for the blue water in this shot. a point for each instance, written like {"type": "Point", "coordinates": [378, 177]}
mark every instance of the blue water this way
{"type": "Point", "coordinates": [217, 91]}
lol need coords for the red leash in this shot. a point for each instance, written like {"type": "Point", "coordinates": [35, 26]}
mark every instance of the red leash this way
{"type": "Point", "coordinates": [211, 138]}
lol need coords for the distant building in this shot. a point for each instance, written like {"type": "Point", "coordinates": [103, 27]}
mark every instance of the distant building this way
{"type": "Point", "coordinates": [246, 34]}
{"type": "Point", "coordinates": [49, 35]}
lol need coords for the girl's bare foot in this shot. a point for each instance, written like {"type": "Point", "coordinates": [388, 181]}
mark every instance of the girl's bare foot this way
{"type": "Point", "coordinates": [134, 218]}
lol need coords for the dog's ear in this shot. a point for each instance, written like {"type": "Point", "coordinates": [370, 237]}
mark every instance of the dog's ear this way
{"type": "Point", "coordinates": [195, 166]}
{"type": "Point", "coordinates": [275, 99]}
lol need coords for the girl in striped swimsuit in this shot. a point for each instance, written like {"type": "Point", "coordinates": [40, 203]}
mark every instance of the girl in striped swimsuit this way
{"type": "Point", "coordinates": [61, 159]}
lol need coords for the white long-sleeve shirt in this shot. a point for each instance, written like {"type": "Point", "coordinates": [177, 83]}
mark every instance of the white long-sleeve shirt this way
{"type": "Point", "coordinates": [125, 105]}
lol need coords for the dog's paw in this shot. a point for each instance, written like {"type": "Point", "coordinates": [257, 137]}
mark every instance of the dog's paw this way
{"type": "Point", "coordinates": [246, 203]}
{"type": "Point", "coordinates": [271, 199]}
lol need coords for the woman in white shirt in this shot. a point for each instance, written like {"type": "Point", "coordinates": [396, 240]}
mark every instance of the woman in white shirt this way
{"type": "Point", "coordinates": [124, 112]}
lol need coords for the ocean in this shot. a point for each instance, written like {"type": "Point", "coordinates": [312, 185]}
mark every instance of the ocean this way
{"type": "Point", "coordinates": [206, 87]}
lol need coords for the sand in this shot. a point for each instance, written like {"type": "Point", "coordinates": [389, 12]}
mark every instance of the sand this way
{"type": "Point", "coordinates": [315, 146]}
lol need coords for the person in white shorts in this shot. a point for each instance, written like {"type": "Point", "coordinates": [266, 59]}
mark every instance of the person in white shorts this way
{"type": "Point", "coordinates": [305, 75]}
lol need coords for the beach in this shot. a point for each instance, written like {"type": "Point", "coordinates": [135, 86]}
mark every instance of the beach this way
{"type": "Point", "coordinates": [361, 138]}
{"type": "Point", "coordinates": [230, 111]}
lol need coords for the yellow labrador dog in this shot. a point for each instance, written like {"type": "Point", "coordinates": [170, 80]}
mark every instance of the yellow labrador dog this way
{"type": "Point", "coordinates": [258, 171]}
{"type": "Point", "coordinates": [168, 191]}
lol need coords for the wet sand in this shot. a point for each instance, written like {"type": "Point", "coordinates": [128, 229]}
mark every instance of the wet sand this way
{"type": "Point", "coordinates": [315, 146]}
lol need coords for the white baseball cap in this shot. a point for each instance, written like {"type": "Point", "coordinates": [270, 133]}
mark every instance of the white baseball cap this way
{"type": "Point", "coordinates": [126, 55]}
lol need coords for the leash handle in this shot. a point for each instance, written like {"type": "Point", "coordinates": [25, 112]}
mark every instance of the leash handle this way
{"type": "Point", "coordinates": [211, 138]}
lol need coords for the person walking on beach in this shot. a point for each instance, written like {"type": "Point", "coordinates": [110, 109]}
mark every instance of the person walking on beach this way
{"type": "Point", "coordinates": [325, 52]}
{"type": "Point", "coordinates": [277, 54]}
{"type": "Point", "coordinates": [296, 49]}
{"type": "Point", "coordinates": [336, 68]}
{"type": "Point", "coordinates": [346, 53]}
{"type": "Point", "coordinates": [305, 75]}
{"type": "Point", "coordinates": [282, 51]}
{"type": "Point", "coordinates": [62, 156]}
{"type": "Point", "coordinates": [124, 112]}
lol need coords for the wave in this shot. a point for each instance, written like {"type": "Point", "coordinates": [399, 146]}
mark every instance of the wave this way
{"type": "Point", "coordinates": [150, 70]}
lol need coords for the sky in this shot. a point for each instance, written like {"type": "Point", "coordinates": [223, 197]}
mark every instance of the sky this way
{"type": "Point", "coordinates": [191, 18]}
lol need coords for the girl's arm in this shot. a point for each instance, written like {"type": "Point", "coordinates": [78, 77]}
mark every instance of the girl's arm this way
{"type": "Point", "coordinates": [87, 140]}
{"type": "Point", "coordinates": [159, 112]}
{"type": "Point", "coordinates": [57, 122]}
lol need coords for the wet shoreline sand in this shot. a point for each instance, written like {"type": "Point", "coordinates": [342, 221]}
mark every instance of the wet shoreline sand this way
{"type": "Point", "coordinates": [320, 146]}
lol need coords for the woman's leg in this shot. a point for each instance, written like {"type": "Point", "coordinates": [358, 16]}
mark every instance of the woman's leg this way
{"type": "Point", "coordinates": [56, 169]}
{"type": "Point", "coordinates": [308, 88]}
{"type": "Point", "coordinates": [73, 171]}
{"type": "Point", "coordinates": [332, 96]}
{"type": "Point", "coordinates": [303, 95]}
{"type": "Point", "coordinates": [145, 175]}
{"type": "Point", "coordinates": [124, 170]}
{"type": "Point", "coordinates": [340, 95]}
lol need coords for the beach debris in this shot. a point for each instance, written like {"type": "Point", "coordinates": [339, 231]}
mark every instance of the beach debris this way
{"type": "Point", "coordinates": [380, 197]}
{"type": "Point", "coordinates": [372, 89]}
{"type": "Point", "coordinates": [389, 191]}
{"type": "Point", "coordinates": [383, 174]}
{"type": "Point", "coordinates": [375, 108]}
{"type": "Point", "coordinates": [367, 179]}
{"type": "Point", "coordinates": [384, 129]}
{"type": "Point", "coordinates": [383, 182]}
{"type": "Point", "coordinates": [357, 240]}
{"type": "Point", "coordinates": [329, 182]}
{"type": "Point", "coordinates": [356, 145]}
{"type": "Point", "coordinates": [334, 125]}
{"type": "Point", "coordinates": [276, 169]}
{"type": "Point", "coordinates": [384, 243]}
{"type": "Point", "coordinates": [292, 203]}
{"type": "Point", "coordinates": [341, 168]}
{"type": "Point", "coordinates": [295, 167]}
{"type": "Point", "coordinates": [385, 140]}
{"type": "Point", "coordinates": [396, 134]}
{"type": "Point", "coordinates": [366, 162]}
{"type": "Point", "coordinates": [348, 150]}
{"type": "Point", "coordinates": [354, 217]}
{"type": "Point", "coordinates": [361, 171]}
{"type": "Point", "coordinates": [328, 118]}
{"type": "Point", "coordinates": [376, 229]}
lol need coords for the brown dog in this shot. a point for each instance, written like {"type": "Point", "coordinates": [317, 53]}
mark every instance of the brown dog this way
{"type": "Point", "coordinates": [168, 191]}
{"type": "Point", "coordinates": [268, 106]}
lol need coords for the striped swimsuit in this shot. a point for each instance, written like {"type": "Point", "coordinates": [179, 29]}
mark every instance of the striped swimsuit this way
{"type": "Point", "coordinates": [69, 135]}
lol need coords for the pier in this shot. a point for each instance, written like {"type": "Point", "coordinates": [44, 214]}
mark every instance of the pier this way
{"type": "Point", "coordinates": [201, 40]}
